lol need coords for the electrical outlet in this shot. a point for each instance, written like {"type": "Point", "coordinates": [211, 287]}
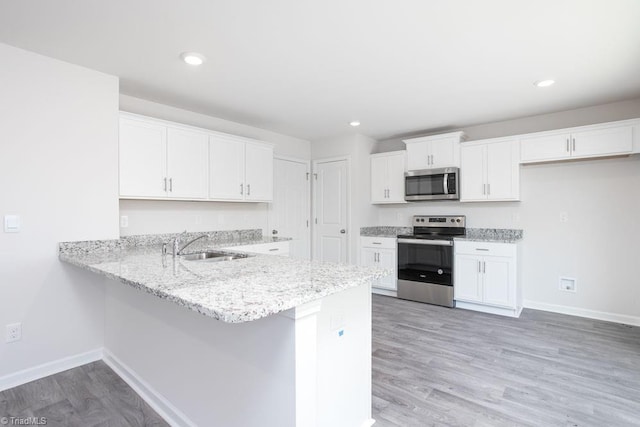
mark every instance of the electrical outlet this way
{"type": "Point", "coordinates": [564, 217]}
{"type": "Point", "coordinates": [124, 221]}
{"type": "Point", "coordinates": [14, 332]}
{"type": "Point", "coordinates": [567, 284]}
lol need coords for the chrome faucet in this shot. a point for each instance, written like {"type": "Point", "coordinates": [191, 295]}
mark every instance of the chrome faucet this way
{"type": "Point", "coordinates": [177, 250]}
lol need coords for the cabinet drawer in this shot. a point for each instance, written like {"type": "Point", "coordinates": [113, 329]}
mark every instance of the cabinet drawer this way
{"type": "Point", "coordinates": [277, 248]}
{"type": "Point", "coordinates": [485, 248]}
{"type": "Point", "coordinates": [378, 242]}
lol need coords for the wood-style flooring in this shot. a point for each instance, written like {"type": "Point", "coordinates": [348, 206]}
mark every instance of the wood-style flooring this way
{"type": "Point", "coordinates": [89, 396]}
{"type": "Point", "coordinates": [452, 367]}
{"type": "Point", "coordinates": [432, 366]}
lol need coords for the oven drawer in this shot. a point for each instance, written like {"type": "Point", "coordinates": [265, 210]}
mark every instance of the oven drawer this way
{"type": "Point", "coordinates": [484, 248]}
{"type": "Point", "coordinates": [378, 242]}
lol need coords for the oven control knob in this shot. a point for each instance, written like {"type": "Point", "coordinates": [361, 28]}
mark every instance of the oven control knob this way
{"type": "Point", "coordinates": [458, 220]}
{"type": "Point", "coordinates": [440, 271]}
{"type": "Point", "coordinates": [452, 220]}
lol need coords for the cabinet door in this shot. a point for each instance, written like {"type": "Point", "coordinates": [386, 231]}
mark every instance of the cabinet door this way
{"type": "Point", "coordinates": [502, 167]}
{"type": "Point", "coordinates": [226, 168]}
{"type": "Point", "coordinates": [187, 164]}
{"type": "Point", "coordinates": [444, 153]}
{"type": "Point", "coordinates": [418, 156]}
{"type": "Point", "coordinates": [379, 179]}
{"type": "Point", "coordinates": [259, 172]}
{"type": "Point", "coordinates": [602, 142]}
{"type": "Point", "coordinates": [368, 257]}
{"type": "Point", "coordinates": [396, 167]}
{"type": "Point", "coordinates": [541, 148]}
{"type": "Point", "coordinates": [143, 159]}
{"type": "Point", "coordinates": [387, 260]}
{"type": "Point", "coordinates": [499, 287]}
{"type": "Point", "coordinates": [468, 285]}
{"type": "Point", "coordinates": [472, 173]}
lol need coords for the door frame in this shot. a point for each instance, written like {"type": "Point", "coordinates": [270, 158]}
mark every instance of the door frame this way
{"type": "Point", "coordinates": [307, 164]}
{"type": "Point", "coordinates": [314, 232]}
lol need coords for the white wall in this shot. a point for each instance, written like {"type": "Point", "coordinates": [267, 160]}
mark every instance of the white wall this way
{"type": "Point", "coordinates": [206, 368]}
{"type": "Point", "coordinates": [358, 148]}
{"type": "Point", "coordinates": [147, 217]}
{"type": "Point", "coordinates": [599, 245]}
{"type": "Point", "coordinates": [58, 169]}
{"type": "Point", "coordinates": [622, 110]}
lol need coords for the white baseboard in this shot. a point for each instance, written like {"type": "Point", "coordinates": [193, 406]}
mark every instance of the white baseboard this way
{"type": "Point", "coordinates": [583, 312]}
{"type": "Point", "coordinates": [158, 402]}
{"type": "Point", "coordinates": [369, 422]}
{"type": "Point", "coordinates": [387, 292]}
{"type": "Point", "coordinates": [50, 368]}
{"type": "Point", "coordinates": [509, 312]}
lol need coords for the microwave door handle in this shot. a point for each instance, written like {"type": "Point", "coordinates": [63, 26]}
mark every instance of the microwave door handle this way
{"type": "Point", "coordinates": [446, 183]}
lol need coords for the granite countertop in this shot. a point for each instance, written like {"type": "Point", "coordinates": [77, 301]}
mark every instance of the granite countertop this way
{"type": "Point", "coordinates": [384, 231]}
{"type": "Point", "coordinates": [497, 235]}
{"type": "Point", "coordinates": [235, 291]}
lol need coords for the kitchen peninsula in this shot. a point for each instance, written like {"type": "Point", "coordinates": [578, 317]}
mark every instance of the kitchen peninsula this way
{"type": "Point", "coordinates": [252, 341]}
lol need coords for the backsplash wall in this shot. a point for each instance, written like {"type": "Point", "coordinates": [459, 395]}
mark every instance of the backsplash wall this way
{"type": "Point", "coordinates": [161, 216]}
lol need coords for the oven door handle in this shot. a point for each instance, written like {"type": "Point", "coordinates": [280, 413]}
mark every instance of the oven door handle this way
{"type": "Point", "coordinates": [426, 242]}
{"type": "Point", "coordinates": [445, 184]}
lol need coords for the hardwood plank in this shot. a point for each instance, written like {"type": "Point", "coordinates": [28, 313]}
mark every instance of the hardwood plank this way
{"type": "Point", "coordinates": [90, 395]}
{"type": "Point", "coordinates": [447, 367]}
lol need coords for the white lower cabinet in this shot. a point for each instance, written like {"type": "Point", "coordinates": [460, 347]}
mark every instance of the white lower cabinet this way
{"type": "Point", "coordinates": [381, 252]}
{"type": "Point", "coordinates": [275, 248]}
{"type": "Point", "coordinates": [486, 277]}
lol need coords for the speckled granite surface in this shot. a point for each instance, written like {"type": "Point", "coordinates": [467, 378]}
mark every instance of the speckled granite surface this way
{"type": "Point", "coordinates": [499, 235]}
{"type": "Point", "coordinates": [385, 231]}
{"type": "Point", "coordinates": [235, 291]}
{"type": "Point", "coordinates": [215, 239]}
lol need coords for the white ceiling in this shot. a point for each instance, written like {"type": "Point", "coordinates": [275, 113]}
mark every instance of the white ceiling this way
{"type": "Point", "coordinates": [308, 67]}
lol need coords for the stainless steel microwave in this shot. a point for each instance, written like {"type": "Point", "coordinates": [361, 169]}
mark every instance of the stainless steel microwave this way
{"type": "Point", "coordinates": [432, 184]}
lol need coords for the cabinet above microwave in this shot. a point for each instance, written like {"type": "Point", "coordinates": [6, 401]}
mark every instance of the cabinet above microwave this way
{"type": "Point", "coordinates": [434, 151]}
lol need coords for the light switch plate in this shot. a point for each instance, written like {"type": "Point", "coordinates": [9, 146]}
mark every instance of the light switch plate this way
{"type": "Point", "coordinates": [11, 223]}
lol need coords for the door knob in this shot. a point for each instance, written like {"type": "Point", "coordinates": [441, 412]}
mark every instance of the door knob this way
{"type": "Point", "coordinates": [343, 231]}
{"type": "Point", "coordinates": [274, 232]}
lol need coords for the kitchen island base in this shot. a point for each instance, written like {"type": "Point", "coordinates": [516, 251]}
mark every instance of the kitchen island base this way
{"type": "Point", "coordinates": [307, 366]}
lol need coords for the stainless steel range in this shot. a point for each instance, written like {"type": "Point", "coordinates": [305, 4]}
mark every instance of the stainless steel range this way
{"type": "Point", "coordinates": [425, 259]}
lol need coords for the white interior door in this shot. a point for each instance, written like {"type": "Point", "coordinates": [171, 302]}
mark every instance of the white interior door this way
{"type": "Point", "coordinates": [289, 214]}
{"type": "Point", "coordinates": [331, 198]}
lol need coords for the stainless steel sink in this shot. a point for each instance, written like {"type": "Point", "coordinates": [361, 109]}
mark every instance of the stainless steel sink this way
{"type": "Point", "coordinates": [212, 256]}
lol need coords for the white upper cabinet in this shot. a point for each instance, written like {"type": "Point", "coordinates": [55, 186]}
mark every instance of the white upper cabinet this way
{"type": "Point", "coordinates": [259, 172]}
{"type": "Point", "coordinates": [608, 139]}
{"type": "Point", "coordinates": [143, 159]}
{"type": "Point", "coordinates": [165, 160]}
{"type": "Point", "coordinates": [240, 170]}
{"type": "Point", "coordinates": [433, 152]}
{"type": "Point", "coordinates": [226, 168]}
{"type": "Point", "coordinates": [545, 148]}
{"type": "Point", "coordinates": [490, 170]}
{"type": "Point", "coordinates": [187, 166]}
{"type": "Point", "coordinates": [387, 177]}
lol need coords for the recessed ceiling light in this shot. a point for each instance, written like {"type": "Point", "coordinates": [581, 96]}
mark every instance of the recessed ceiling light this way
{"type": "Point", "coordinates": [544, 83]}
{"type": "Point", "coordinates": [192, 58]}
{"type": "Point", "coordinates": [354, 123]}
